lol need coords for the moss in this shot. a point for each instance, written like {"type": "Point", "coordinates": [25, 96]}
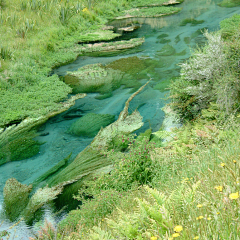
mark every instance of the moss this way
{"type": "Point", "coordinates": [192, 21]}
{"type": "Point", "coordinates": [19, 148]}
{"type": "Point", "coordinates": [15, 198]}
{"type": "Point", "coordinates": [167, 50]}
{"type": "Point", "coordinates": [229, 3]}
{"type": "Point", "coordinates": [90, 124]}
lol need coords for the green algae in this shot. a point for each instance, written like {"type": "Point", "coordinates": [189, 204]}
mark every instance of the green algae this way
{"type": "Point", "coordinates": [187, 40]}
{"type": "Point", "coordinates": [163, 35]}
{"type": "Point", "coordinates": [198, 32]}
{"type": "Point", "coordinates": [164, 41]}
{"type": "Point", "coordinates": [167, 50]}
{"type": "Point", "coordinates": [177, 39]}
{"type": "Point", "coordinates": [90, 124]}
{"type": "Point", "coordinates": [191, 21]}
{"type": "Point", "coordinates": [134, 66]}
{"type": "Point", "coordinates": [182, 53]}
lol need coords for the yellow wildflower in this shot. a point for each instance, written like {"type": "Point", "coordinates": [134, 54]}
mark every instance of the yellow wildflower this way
{"type": "Point", "coordinates": [209, 218]}
{"type": "Point", "coordinates": [170, 238]}
{"type": "Point", "coordinates": [199, 205]}
{"type": "Point", "coordinates": [175, 235]}
{"type": "Point", "coordinates": [85, 9]}
{"type": "Point", "coordinates": [153, 238]}
{"type": "Point", "coordinates": [218, 213]}
{"type": "Point", "coordinates": [200, 217]}
{"type": "Point", "coordinates": [234, 161]}
{"type": "Point", "coordinates": [234, 195]}
{"type": "Point", "coordinates": [223, 164]}
{"type": "Point", "coordinates": [219, 188]}
{"type": "Point", "coordinates": [178, 228]}
{"type": "Point", "coordinates": [197, 237]}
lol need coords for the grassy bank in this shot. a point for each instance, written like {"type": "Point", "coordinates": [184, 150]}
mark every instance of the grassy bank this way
{"type": "Point", "coordinates": [188, 187]}
{"type": "Point", "coordinates": [36, 36]}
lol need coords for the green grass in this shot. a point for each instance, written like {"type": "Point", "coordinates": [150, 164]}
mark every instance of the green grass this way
{"type": "Point", "coordinates": [153, 12]}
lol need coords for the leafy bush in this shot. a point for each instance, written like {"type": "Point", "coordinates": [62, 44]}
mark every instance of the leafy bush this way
{"type": "Point", "coordinates": [206, 77]}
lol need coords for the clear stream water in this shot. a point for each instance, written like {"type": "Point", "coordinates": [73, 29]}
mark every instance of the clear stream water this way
{"type": "Point", "coordinates": [58, 144]}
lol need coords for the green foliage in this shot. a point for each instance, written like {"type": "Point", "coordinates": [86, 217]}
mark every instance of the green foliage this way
{"type": "Point", "coordinates": [90, 124]}
{"type": "Point", "coordinates": [208, 76]}
{"type": "Point", "coordinates": [92, 210]}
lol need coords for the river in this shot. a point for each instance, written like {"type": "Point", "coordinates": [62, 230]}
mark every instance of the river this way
{"type": "Point", "coordinates": [158, 65]}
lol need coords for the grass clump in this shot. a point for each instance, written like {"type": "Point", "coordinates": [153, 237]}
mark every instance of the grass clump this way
{"type": "Point", "coordinates": [90, 124]}
{"type": "Point", "coordinates": [19, 148]}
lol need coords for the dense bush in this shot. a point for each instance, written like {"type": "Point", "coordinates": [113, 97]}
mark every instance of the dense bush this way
{"type": "Point", "coordinates": [207, 77]}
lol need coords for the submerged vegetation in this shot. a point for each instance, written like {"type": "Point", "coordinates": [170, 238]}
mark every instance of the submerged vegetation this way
{"type": "Point", "coordinates": [186, 187]}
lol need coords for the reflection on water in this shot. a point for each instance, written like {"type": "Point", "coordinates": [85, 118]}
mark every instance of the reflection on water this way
{"type": "Point", "coordinates": [164, 52]}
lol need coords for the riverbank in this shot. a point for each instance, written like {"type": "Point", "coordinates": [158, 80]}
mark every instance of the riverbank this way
{"type": "Point", "coordinates": [40, 35]}
{"type": "Point", "coordinates": [188, 187]}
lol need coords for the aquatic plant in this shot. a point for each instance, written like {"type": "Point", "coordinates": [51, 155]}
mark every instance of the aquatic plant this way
{"type": "Point", "coordinates": [18, 148]}
{"type": "Point", "coordinates": [90, 124]}
{"type": "Point", "coordinates": [192, 21]}
{"type": "Point", "coordinates": [166, 50]}
{"type": "Point", "coordinates": [15, 198]}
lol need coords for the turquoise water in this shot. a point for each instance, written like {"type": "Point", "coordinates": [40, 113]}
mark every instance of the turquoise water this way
{"type": "Point", "coordinates": [182, 38]}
